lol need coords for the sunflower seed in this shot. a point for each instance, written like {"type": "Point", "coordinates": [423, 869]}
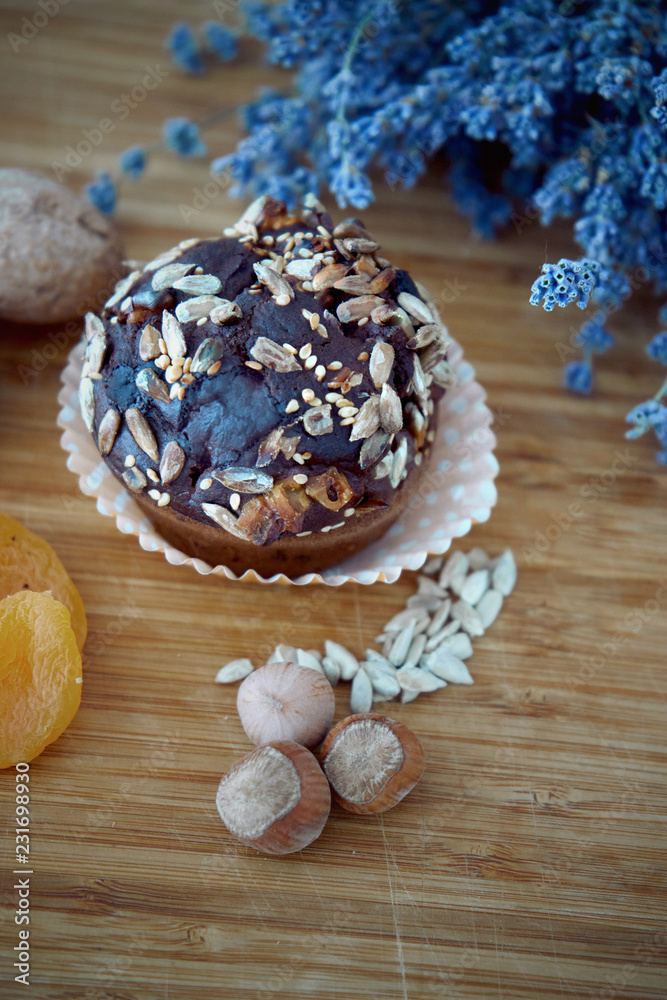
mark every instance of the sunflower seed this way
{"type": "Point", "coordinates": [401, 645]}
{"type": "Point", "coordinates": [108, 430]}
{"type": "Point", "coordinates": [164, 258]}
{"type": "Point", "coordinates": [306, 659]}
{"type": "Point", "coordinates": [373, 447]}
{"type": "Point", "coordinates": [208, 352]}
{"type": "Point", "coordinates": [361, 695]}
{"type": "Point", "coordinates": [367, 419]}
{"type": "Point", "coordinates": [134, 478]}
{"type": "Point", "coordinates": [383, 280]}
{"type": "Point", "coordinates": [505, 573]}
{"type": "Point", "coordinates": [489, 607]}
{"type": "Point", "coordinates": [153, 386]}
{"type": "Point", "coordinates": [415, 307]}
{"type": "Point", "coordinates": [424, 336]}
{"type": "Point", "coordinates": [235, 670]}
{"type": "Point", "coordinates": [303, 269]}
{"type": "Point", "coordinates": [399, 462]}
{"type": "Point", "coordinates": [273, 356]}
{"type": "Point", "coordinates": [224, 518]}
{"type": "Point", "coordinates": [331, 670]}
{"type": "Point", "coordinates": [172, 461]}
{"type": "Point", "coordinates": [142, 433]}
{"type": "Point", "coordinates": [92, 325]}
{"type": "Point", "coordinates": [383, 681]}
{"type": "Point", "coordinates": [391, 411]}
{"type": "Point", "coordinates": [273, 281]}
{"type": "Point", "coordinates": [347, 662]}
{"type": "Point", "coordinates": [478, 559]}
{"type": "Point", "coordinates": [432, 566]}
{"type": "Point", "coordinates": [354, 284]}
{"type": "Point", "coordinates": [198, 284]}
{"type": "Point", "coordinates": [244, 480]}
{"type": "Point", "coordinates": [426, 604]}
{"type": "Point", "coordinates": [456, 567]}
{"type": "Point", "coordinates": [459, 644]}
{"type": "Point", "coordinates": [432, 355]}
{"type": "Point", "coordinates": [87, 401]}
{"type": "Point", "coordinates": [94, 353]}
{"type": "Point", "coordinates": [352, 310]}
{"type": "Point", "coordinates": [383, 467]}
{"type": "Point", "coordinates": [414, 679]}
{"type": "Point", "coordinates": [429, 588]}
{"type": "Point", "coordinates": [327, 277]}
{"type": "Point", "coordinates": [166, 276]}
{"type": "Point", "coordinates": [122, 288]}
{"type": "Point", "coordinates": [475, 586]}
{"type": "Point", "coordinates": [416, 649]}
{"type": "Point", "coordinates": [269, 449]}
{"type": "Point", "coordinates": [283, 653]}
{"type": "Point", "coordinates": [360, 244]}
{"type": "Point", "coordinates": [404, 618]}
{"type": "Point", "coordinates": [225, 312]}
{"type": "Point", "coordinates": [440, 617]}
{"type": "Point", "coordinates": [444, 375]}
{"type": "Point", "coordinates": [418, 382]}
{"type": "Point", "coordinates": [173, 336]}
{"type": "Point", "coordinates": [470, 620]}
{"type": "Point", "coordinates": [317, 420]}
{"type": "Point", "coordinates": [408, 696]}
{"type": "Point", "coordinates": [445, 665]}
{"type": "Point", "coordinates": [436, 640]}
{"type": "Point", "coordinates": [149, 343]}
{"type": "Point", "coordinates": [190, 310]}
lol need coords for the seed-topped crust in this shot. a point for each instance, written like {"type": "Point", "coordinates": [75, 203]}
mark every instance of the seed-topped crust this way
{"type": "Point", "coordinates": [280, 377]}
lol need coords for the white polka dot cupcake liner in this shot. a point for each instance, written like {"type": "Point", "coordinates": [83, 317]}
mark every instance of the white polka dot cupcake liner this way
{"type": "Point", "coordinates": [456, 491]}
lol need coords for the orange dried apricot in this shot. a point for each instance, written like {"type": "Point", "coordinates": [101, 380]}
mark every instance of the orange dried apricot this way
{"type": "Point", "coordinates": [40, 674]}
{"type": "Point", "coordinates": [27, 562]}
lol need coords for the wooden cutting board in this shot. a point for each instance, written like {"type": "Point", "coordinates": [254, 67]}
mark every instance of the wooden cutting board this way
{"type": "Point", "coordinates": [530, 861]}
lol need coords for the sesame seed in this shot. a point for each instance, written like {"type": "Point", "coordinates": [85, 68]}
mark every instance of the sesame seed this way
{"type": "Point", "coordinates": [154, 494]}
{"type": "Point", "coordinates": [335, 366]}
{"type": "Point", "coordinates": [311, 361]}
{"type": "Point", "coordinates": [235, 501]}
{"type": "Point", "coordinates": [283, 237]}
{"type": "Point", "coordinates": [327, 261]}
{"type": "Point", "coordinates": [308, 236]}
{"type": "Point", "coordinates": [322, 330]}
{"type": "Point", "coordinates": [299, 459]}
{"type": "Point", "coordinates": [249, 364]}
{"type": "Point", "coordinates": [300, 478]}
{"type": "Point", "coordinates": [364, 356]}
{"type": "Point", "coordinates": [130, 461]}
{"type": "Point", "coordinates": [315, 401]}
{"type": "Point", "coordinates": [78, 680]}
{"type": "Point", "coordinates": [202, 320]}
{"type": "Point", "coordinates": [306, 455]}
{"type": "Point", "coordinates": [327, 527]}
{"type": "Point", "coordinates": [268, 241]}
{"type": "Point", "coordinates": [347, 421]}
{"type": "Point", "coordinates": [305, 351]}
{"type": "Point", "coordinates": [363, 321]}
{"type": "Point", "coordinates": [178, 362]}
{"type": "Point", "coordinates": [164, 500]}
{"type": "Point", "coordinates": [320, 372]}
{"type": "Point", "coordinates": [254, 291]}
{"type": "Point", "coordinates": [332, 527]}
{"type": "Point", "coordinates": [173, 373]}
{"type": "Point", "coordinates": [95, 376]}
{"type": "Point", "coordinates": [307, 286]}
{"type": "Point", "coordinates": [282, 300]}
{"type": "Point", "coordinates": [333, 397]}
{"type": "Point", "coordinates": [348, 411]}
{"type": "Point", "coordinates": [199, 270]}
{"type": "Point", "coordinates": [341, 401]}
{"type": "Point", "coordinates": [206, 484]}
{"type": "Point", "coordinates": [173, 392]}
{"type": "Point", "coordinates": [180, 392]}
{"type": "Point", "coordinates": [324, 232]}
{"type": "Point", "coordinates": [152, 474]}
{"type": "Point", "coordinates": [302, 534]}
{"type": "Point", "coordinates": [308, 395]}
{"type": "Point", "coordinates": [163, 346]}
{"type": "Point", "coordinates": [306, 313]}
{"type": "Point", "coordinates": [430, 437]}
{"type": "Point", "coordinates": [348, 513]}
{"type": "Point", "coordinates": [292, 406]}
{"type": "Point", "coordinates": [418, 458]}
{"type": "Point", "coordinates": [215, 368]}
{"type": "Point", "coordinates": [113, 320]}
{"type": "Point", "coordinates": [289, 348]}
{"type": "Point", "coordinates": [186, 365]}
{"type": "Point", "coordinates": [163, 362]}
{"type": "Point", "coordinates": [314, 321]}
{"type": "Point", "coordinates": [305, 252]}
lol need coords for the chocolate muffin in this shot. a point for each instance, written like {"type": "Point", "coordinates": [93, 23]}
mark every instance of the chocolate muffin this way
{"type": "Point", "coordinates": [268, 397]}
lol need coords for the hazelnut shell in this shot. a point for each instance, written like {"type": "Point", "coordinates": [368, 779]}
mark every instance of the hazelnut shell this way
{"type": "Point", "coordinates": [301, 824]}
{"type": "Point", "coordinates": [402, 775]}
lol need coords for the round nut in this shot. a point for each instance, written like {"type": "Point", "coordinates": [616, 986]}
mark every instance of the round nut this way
{"type": "Point", "coordinates": [275, 799]}
{"type": "Point", "coordinates": [56, 250]}
{"type": "Point", "coordinates": [285, 701]}
{"type": "Point", "coordinates": [371, 762]}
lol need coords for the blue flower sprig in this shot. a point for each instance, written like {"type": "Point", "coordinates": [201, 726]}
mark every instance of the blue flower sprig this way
{"type": "Point", "coordinates": [541, 109]}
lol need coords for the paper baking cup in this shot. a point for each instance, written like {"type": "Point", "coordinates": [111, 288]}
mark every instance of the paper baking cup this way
{"type": "Point", "coordinates": [456, 491]}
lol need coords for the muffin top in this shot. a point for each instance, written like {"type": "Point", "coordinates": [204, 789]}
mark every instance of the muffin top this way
{"type": "Point", "coordinates": [276, 380]}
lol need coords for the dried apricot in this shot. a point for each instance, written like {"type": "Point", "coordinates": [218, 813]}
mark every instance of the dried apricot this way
{"type": "Point", "coordinates": [27, 562]}
{"type": "Point", "coordinates": [40, 674]}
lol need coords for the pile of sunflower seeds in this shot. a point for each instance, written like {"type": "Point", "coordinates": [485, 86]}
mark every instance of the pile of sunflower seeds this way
{"type": "Point", "coordinates": [423, 648]}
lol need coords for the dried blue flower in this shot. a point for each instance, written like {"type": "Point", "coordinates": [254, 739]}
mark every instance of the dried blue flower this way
{"type": "Point", "coordinates": [102, 193]}
{"type": "Point", "coordinates": [657, 348]}
{"type": "Point", "coordinates": [182, 136]}
{"type": "Point", "coordinates": [593, 337]}
{"type": "Point", "coordinates": [185, 49]}
{"type": "Point", "coordinates": [578, 377]}
{"type": "Point", "coordinates": [566, 282]}
{"type": "Point", "coordinates": [133, 162]}
{"type": "Point", "coordinates": [219, 40]}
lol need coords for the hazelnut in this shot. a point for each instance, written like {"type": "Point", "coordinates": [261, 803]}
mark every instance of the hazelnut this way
{"type": "Point", "coordinates": [285, 701]}
{"type": "Point", "coordinates": [275, 799]}
{"type": "Point", "coordinates": [371, 762]}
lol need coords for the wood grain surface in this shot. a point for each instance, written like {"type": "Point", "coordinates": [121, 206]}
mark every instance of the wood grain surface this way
{"type": "Point", "coordinates": [530, 861]}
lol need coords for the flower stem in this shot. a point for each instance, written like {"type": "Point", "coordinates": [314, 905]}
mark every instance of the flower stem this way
{"type": "Point", "coordinates": [662, 391]}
